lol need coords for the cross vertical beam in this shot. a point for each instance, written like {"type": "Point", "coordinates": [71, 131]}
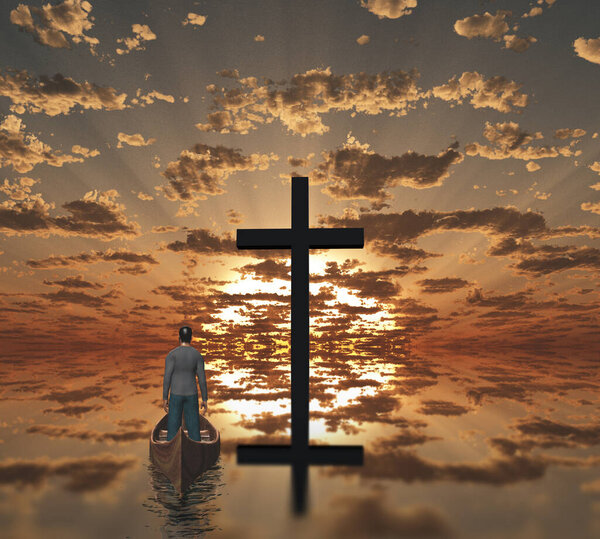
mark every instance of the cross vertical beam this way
{"type": "Point", "coordinates": [300, 340]}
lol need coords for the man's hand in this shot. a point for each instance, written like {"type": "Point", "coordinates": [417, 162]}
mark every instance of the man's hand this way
{"type": "Point", "coordinates": [166, 406]}
{"type": "Point", "coordinates": [203, 408]}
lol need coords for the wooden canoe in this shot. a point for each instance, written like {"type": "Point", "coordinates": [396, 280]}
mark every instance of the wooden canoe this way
{"type": "Point", "coordinates": [182, 460]}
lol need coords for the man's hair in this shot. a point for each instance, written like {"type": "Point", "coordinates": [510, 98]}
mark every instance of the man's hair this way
{"type": "Point", "coordinates": [185, 334]}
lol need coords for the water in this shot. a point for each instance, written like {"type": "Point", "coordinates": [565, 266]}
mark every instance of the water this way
{"type": "Point", "coordinates": [456, 445]}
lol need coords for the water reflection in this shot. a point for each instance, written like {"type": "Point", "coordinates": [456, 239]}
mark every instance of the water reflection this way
{"type": "Point", "coordinates": [188, 514]}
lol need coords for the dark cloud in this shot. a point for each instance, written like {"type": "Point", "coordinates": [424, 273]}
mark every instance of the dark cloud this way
{"type": "Point", "coordinates": [441, 286]}
{"type": "Point", "coordinates": [74, 282]}
{"type": "Point", "coordinates": [74, 410]}
{"type": "Point", "coordinates": [57, 94]}
{"type": "Point", "coordinates": [267, 422]}
{"type": "Point", "coordinates": [206, 242]}
{"type": "Point", "coordinates": [355, 171]}
{"type": "Point", "coordinates": [369, 516]}
{"type": "Point", "coordinates": [76, 396]}
{"type": "Point", "coordinates": [95, 215]}
{"type": "Point", "coordinates": [23, 151]}
{"type": "Point", "coordinates": [121, 257]}
{"type": "Point", "coordinates": [437, 407]}
{"type": "Point", "coordinates": [387, 233]}
{"type": "Point", "coordinates": [56, 431]}
{"type": "Point", "coordinates": [386, 462]}
{"type": "Point", "coordinates": [267, 270]}
{"type": "Point", "coordinates": [83, 474]}
{"type": "Point", "coordinates": [201, 172]}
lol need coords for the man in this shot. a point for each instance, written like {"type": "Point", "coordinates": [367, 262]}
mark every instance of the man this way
{"type": "Point", "coordinates": [182, 365]}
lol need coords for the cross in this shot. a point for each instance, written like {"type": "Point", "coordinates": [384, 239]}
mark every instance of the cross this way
{"type": "Point", "coordinates": [299, 239]}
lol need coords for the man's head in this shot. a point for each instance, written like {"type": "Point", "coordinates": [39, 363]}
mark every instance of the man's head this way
{"type": "Point", "coordinates": [185, 334]}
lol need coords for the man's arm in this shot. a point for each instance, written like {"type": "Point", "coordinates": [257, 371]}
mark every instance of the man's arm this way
{"type": "Point", "coordinates": [201, 378]}
{"type": "Point", "coordinates": [169, 367]}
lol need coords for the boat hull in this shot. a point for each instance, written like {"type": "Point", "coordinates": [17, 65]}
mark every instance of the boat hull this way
{"type": "Point", "coordinates": [181, 459]}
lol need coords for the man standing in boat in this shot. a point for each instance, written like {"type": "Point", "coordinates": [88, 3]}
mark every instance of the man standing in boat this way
{"type": "Point", "coordinates": [182, 365]}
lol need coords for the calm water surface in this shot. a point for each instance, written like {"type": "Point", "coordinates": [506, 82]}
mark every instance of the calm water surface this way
{"type": "Point", "coordinates": [455, 446]}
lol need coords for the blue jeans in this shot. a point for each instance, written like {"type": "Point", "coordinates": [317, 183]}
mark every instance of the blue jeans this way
{"type": "Point", "coordinates": [188, 404]}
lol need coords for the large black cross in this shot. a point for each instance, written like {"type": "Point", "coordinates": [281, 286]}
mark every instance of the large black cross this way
{"type": "Point", "coordinates": [300, 238]}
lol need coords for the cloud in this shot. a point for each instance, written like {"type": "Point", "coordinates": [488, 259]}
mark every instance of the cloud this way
{"type": "Point", "coordinates": [70, 431]}
{"type": "Point", "coordinates": [518, 44]}
{"type": "Point", "coordinates": [300, 105]}
{"type": "Point", "coordinates": [355, 171]}
{"type": "Point", "coordinates": [389, 9]}
{"type": "Point", "coordinates": [267, 422]}
{"type": "Point", "coordinates": [23, 151]}
{"type": "Point", "coordinates": [266, 271]}
{"type": "Point", "coordinates": [493, 27]}
{"type": "Point", "coordinates": [134, 140]}
{"type": "Point", "coordinates": [544, 263]}
{"type": "Point", "coordinates": [363, 40]}
{"type": "Point", "coordinates": [234, 217]}
{"type": "Point", "coordinates": [56, 95]}
{"type": "Point", "coordinates": [96, 215]}
{"type": "Point", "coordinates": [486, 25]}
{"type": "Point", "coordinates": [204, 241]}
{"type": "Point", "coordinates": [82, 474]}
{"type": "Point", "coordinates": [588, 49]}
{"type": "Point", "coordinates": [162, 229]}
{"type": "Point", "coordinates": [384, 461]}
{"type": "Point", "coordinates": [74, 282]}
{"type": "Point", "coordinates": [388, 233]}
{"type": "Point", "coordinates": [508, 140]}
{"type": "Point", "coordinates": [569, 133]}
{"type": "Point", "coordinates": [141, 34]}
{"type": "Point", "coordinates": [533, 12]}
{"type": "Point", "coordinates": [121, 257]}
{"type": "Point", "coordinates": [194, 19]}
{"type": "Point", "coordinates": [20, 189]}
{"type": "Point", "coordinates": [496, 93]}
{"type": "Point", "coordinates": [532, 166]}
{"type": "Point", "coordinates": [446, 408]}
{"type": "Point", "coordinates": [75, 297]}
{"type": "Point", "coordinates": [548, 433]}
{"type": "Point", "coordinates": [300, 161]}
{"type": "Point", "coordinates": [441, 286]}
{"type": "Point", "coordinates": [85, 152]}
{"type": "Point", "coordinates": [75, 410]}
{"type": "Point", "coordinates": [259, 38]}
{"type": "Point", "coordinates": [145, 196]}
{"type": "Point", "coordinates": [594, 207]}
{"type": "Point", "coordinates": [79, 395]}
{"type": "Point", "coordinates": [201, 172]}
{"type": "Point", "coordinates": [370, 516]}
{"type": "Point", "coordinates": [151, 97]}
{"type": "Point", "coordinates": [56, 24]}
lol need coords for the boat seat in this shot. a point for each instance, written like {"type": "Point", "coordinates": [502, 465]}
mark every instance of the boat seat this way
{"type": "Point", "coordinates": [204, 435]}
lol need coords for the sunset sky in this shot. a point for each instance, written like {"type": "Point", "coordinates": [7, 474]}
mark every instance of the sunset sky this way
{"type": "Point", "coordinates": [464, 137]}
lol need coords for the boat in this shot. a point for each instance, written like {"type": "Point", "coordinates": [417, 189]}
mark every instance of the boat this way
{"type": "Point", "coordinates": [181, 459]}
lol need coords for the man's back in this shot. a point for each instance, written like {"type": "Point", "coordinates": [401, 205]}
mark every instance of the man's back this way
{"type": "Point", "coordinates": [182, 365]}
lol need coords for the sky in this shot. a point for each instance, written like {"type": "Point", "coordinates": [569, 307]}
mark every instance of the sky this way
{"type": "Point", "coordinates": [136, 137]}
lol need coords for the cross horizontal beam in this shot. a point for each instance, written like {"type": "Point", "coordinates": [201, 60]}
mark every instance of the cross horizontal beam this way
{"type": "Point", "coordinates": [349, 455]}
{"type": "Point", "coordinates": [284, 238]}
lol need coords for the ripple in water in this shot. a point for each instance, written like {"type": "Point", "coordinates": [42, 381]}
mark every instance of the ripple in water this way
{"type": "Point", "coordinates": [188, 514]}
